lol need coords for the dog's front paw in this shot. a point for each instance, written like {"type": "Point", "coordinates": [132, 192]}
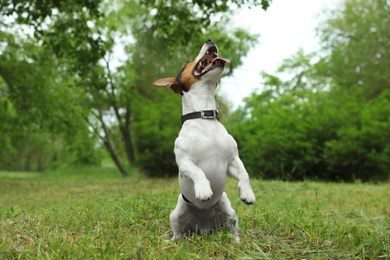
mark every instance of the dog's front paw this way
{"type": "Point", "coordinates": [203, 191]}
{"type": "Point", "coordinates": [247, 195]}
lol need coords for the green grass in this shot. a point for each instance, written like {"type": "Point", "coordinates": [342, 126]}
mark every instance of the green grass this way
{"type": "Point", "coordinates": [96, 214]}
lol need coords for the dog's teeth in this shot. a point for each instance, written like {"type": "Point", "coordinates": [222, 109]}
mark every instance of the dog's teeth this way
{"type": "Point", "coordinates": [207, 52]}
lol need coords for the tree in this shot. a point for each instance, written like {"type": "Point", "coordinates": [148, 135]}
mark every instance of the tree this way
{"type": "Point", "coordinates": [330, 119]}
{"type": "Point", "coordinates": [81, 36]}
{"type": "Point", "coordinates": [37, 132]}
{"type": "Point", "coordinates": [356, 38]}
{"type": "Point", "coordinates": [156, 54]}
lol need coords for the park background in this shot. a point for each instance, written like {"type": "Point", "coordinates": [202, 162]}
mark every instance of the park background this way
{"type": "Point", "coordinates": [68, 99]}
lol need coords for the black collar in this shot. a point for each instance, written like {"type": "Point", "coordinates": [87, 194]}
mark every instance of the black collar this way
{"type": "Point", "coordinates": [204, 114]}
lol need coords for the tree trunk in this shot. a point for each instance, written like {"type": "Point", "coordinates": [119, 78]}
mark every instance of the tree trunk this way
{"type": "Point", "coordinates": [126, 136]}
{"type": "Point", "coordinates": [124, 127]}
{"type": "Point", "coordinates": [128, 143]}
{"type": "Point", "coordinates": [115, 157]}
{"type": "Point", "coordinates": [107, 143]}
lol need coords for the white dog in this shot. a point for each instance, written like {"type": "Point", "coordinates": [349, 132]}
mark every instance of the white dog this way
{"type": "Point", "coordinates": [205, 152]}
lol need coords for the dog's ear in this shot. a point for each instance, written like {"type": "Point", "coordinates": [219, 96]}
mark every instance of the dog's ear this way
{"type": "Point", "coordinates": [168, 83]}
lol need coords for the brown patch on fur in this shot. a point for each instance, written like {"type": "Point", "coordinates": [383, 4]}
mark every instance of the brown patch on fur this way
{"type": "Point", "coordinates": [186, 77]}
{"type": "Point", "coordinates": [183, 81]}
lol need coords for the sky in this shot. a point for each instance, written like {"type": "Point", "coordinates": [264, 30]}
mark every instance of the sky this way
{"type": "Point", "coordinates": [284, 28]}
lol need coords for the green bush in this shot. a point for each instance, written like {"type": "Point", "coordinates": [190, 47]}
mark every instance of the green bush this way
{"type": "Point", "coordinates": [362, 147]}
{"type": "Point", "coordinates": [291, 138]}
{"type": "Point", "coordinates": [155, 129]}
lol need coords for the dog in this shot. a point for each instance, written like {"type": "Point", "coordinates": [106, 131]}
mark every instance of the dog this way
{"type": "Point", "coordinates": [205, 152]}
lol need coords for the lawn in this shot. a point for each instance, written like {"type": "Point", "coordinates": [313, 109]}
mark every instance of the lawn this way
{"type": "Point", "coordinates": [96, 214]}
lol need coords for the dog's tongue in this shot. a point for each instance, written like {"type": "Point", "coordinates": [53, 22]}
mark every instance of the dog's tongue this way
{"type": "Point", "coordinates": [214, 61]}
{"type": "Point", "coordinates": [221, 59]}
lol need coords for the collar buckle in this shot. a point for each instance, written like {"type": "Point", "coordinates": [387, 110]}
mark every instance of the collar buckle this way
{"type": "Point", "coordinates": [204, 114]}
{"type": "Point", "coordinates": [209, 114]}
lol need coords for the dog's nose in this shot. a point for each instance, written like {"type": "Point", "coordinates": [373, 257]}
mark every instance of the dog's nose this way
{"type": "Point", "coordinates": [210, 41]}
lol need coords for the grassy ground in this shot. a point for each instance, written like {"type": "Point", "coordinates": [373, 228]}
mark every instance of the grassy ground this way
{"type": "Point", "coordinates": [96, 214]}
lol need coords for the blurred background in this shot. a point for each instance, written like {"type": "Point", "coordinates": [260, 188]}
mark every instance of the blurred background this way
{"type": "Point", "coordinates": [306, 95]}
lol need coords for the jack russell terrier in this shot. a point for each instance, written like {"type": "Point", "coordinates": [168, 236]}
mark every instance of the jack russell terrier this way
{"type": "Point", "coordinates": [205, 152]}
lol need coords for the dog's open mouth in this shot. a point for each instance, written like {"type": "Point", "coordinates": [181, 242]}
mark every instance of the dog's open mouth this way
{"type": "Point", "coordinates": [209, 62]}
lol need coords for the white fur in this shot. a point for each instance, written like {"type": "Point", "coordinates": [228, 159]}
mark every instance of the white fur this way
{"type": "Point", "coordinates": [205, 154]}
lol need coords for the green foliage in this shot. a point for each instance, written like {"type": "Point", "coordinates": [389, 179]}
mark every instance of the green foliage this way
{"type": "Point", "coordinates": [40, 128]}
{"type": "Point", "coordinates": [157, 126]}
{"type": "Point", "coordinates": [330, 119]}
{"type": "Point", "coordinates": [320, 138]}
{"type": "Point", "coordinates": [93, 213]}
{"type": "Point", "coordinates": [71, 86]}
{"type": "Point", "coordinates": [361, 148]}
{"type": "Point", "coordinates": [355, 35]}
{"type": "Point", "coordinates": [163, 45]}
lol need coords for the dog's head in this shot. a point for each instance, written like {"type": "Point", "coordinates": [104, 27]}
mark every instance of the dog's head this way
{"type": "Point", "coordinates": [207, 67]}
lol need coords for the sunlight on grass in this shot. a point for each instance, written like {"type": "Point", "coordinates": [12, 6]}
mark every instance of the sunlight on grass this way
{"type": "Point", "coordinates": [94, 213]}
{"type": "Point", "coordinates": [17, 175]}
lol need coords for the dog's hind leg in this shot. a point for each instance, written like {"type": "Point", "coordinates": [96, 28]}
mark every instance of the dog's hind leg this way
{"type": "Point", "coordinates": [230, 217]}
{"type": "Point", "coordinates": [237, 170]}
{"type": "Point", "coordinates": [177, 213]}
